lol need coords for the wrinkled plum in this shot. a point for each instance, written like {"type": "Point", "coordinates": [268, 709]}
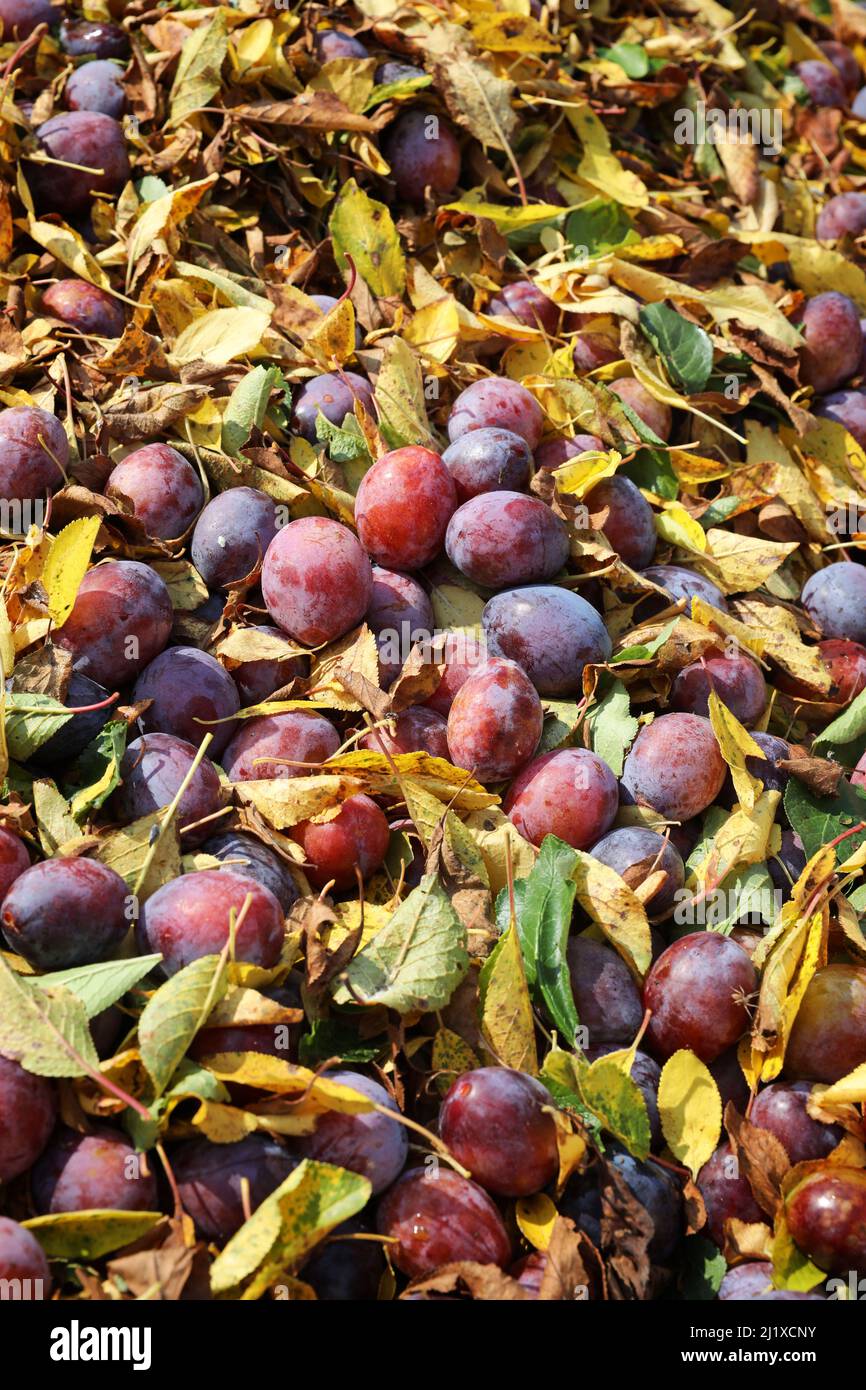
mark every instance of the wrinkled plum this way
{"type": "Point", "coordinates": [153, 768]}
{"type": "Point", "coordinates": [569, 792]}
{"type": "Point", "coordinates": [28, 1108]}
{"type": "Point", "coordinates": [121, 620]}
{"type": "Point", "coordinates": [232, 534]}
{"type": "Point", "coordinates": [500, 539]}
{"type": "Point", "coordinates": [65, 912]}
{"type": "Point", "coordinates": [674, 766]}
{"type": "Point", "coordinates": [696, 991]}
{"type": "Point", "coordinates": [83, 1172]}
{"type": "Point", "coordinates": [317, 580]}
{"type": "Point", "coordinates": [298, 737]}
{"type": "Point", "coordinates": [497, 401]}
{"type": "Point", "coordinates": [438, 1218]}
{"type": "Point", "coordinates": [423, 153]}
{"type": "Point", "coordinates": [190, 917]}
{"type": "Point", "coordinates": [406, 482]}
{"type": "Point", "coordinates": [495, 722]}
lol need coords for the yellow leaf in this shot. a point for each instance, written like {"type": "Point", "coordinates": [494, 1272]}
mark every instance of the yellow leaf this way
{"type": "Point", "coordinates": [68, 246]}
{"type": "Point", "coordinates": [740, 563]}
{"type": "Point", "coordinates": [451, 1058]}
{"type": "Point", "coordinates": [221, 335]}
{"type": "Point", "coordinates": [456, 607]}
{"type": "Point", "coordinates": [364, 229]}
{"type": "Point", "coordinates": [535, 1216]}
{"type": "Point", "coordinates": [599, 166]}
{"type": "Point", "coordinates": [617, 911]}
{"type": "Point", "coordinates": [492, 832]}
{"type": "Point", "coordinates": [507, 1021]}
{"type": "Point", "coordinates": [736, 745]}
{"type": "Point", "coordinates": [744, 838]}
{"type": "Point", "coordinates": [158, 218]}
{"type": "Point", "coordinates": [765, 446]}
{"type": "Point", "coordinates": [690, 1110]}
{"type": "Point", "coordinates": [507, 219]}
{"type": "Point", "coordinates": [579, 475]}
{"type": "Point", "coordinates": [67, 564]}
{"type": "Point", "coordinates": [268, 1073]}
{"type": "Point", "coordinates": [848, 1090]}
{"type": "Point", "coordinates": [434, 329]}
{"type": "Point", "coordinates": [677, 527]}
{"type": "Point", "coordinates": [333, 338]}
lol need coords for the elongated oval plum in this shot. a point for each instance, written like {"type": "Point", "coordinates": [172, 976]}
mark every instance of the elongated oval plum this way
{"type": "Point", "coordinates": [823, 83]}
{"type": "Point", "coordinates": [97, 37]}
{"type": "Point", "coordinates": [399, 615]}
{"type": "Point", "coordinates": [34, 456]}
{"type": "Point", "coordinates": [365, 1141]}
{"type": "Point", "coordinates": [85, 307]}
{"type": "Point", "coordinates": [608, 1000]}
{"type": "Point", "coordinates": [317, 580]}
{"type": "Point", "coordinates": [524, 301]}
{"type": "Point", "coordinates": [463, 652]}
{"type": "Point", "coordinates": [654, 414]}
{"type": "Point", "coordinates": [412, 481]}
{"type": "Point", "coordinates": [14, 859]}
{"type": "Point", "coordinates": [423, 152]}
{"type": "Point", "coordinates": [550, 632]}
{"type": "Point", "coordinates": [828, 1038]}
{"type": "Point", "coordinates": [727, 1193]}
{"type": "Point", "coordinates": [190, 917]}
{"type": "Point", "coordinates": [356, 839]}
{"type": "Point", "coordinates": [86, 1172]}
{"type": "Point", "coordinates": [121, 620]}
{"type": "Point", "coordinates": [65, 912]}
{"type": "Point", "coordinates": [153, 769]}
{"type": "Point", "coordinates": [697, 992]}
{"type": "Point", "coordinates": [497, 1123]}
{"type": "Point", "coordinates": [500, 539]}
{"type": "Point", "coordinates": [674, 766]}
{"type": "Point", "coordinates": [826, 1215]}
{"type": "Point", "coordinates": [555, 452]}
{"type": "Point", "coordinates": [495, 722]}
{"type": "Point", "coordinates": [831, 341]}
{"type": "Point", "coordinates": [683, 583]}
{"type": "Point", "coordinates": [569, 792]}
{"type": "Point", "coordinates": [297, 737]}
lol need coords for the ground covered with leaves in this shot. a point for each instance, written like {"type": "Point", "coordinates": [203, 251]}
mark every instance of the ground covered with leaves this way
{"type": "Point", "coordinates": [433, 877]}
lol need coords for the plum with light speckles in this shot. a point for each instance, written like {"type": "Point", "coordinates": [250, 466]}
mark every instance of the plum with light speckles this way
{"type": "Point", "coordinates": [499, 401]}
{"type": "Point", "coordinates": [488, 460]}
{"type": "Point", "coordinates": [551, 633]}
{"type": "Point", "coordinates": [299, 736]}
{"type": "Point", "coordinates": [317, 580]}
{"type": "Point", "coordinates": [495, 722]}
{"type": "Point", "coordinates": [500, 539]}
{"type": "Point", "coordinates": [190, 917]}
{"type": "Point", "coordinates": [403, 507]}
{"type": "Point", "coordinates": [85, 1172]}
{"type": "Point", "coordinates": [674, 766]}
{"type": "Point", "coordinates": [570, 793]}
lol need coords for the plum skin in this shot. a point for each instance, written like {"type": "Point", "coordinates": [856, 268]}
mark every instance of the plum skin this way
{"type": "Point", "coordinates": [209, 1179]}
{"type": "Point", "coordinates": [21, 17]}
{"type": "Point", "coordinates": [82, 1172]}
{"type": "Point", "coordinates": [550, 632]}
{"type": "Point", "coordinates": [726, 1196]}
{"type": "Point", "coordinates": [654, 414]}
{"type": "Point", "coordinates": [832, 342]}
{"type": "Point", "coordinates": [79, 137]}
{"type": "Point", "coordinates": [121, 620]}
{"type": "Point", "coordinates": [498, 401]}
{"type": "Point", "coordinates": [463, 653]}
{"type": "Point", "coordinates": [297, 735]}
{"type": "Point", "coordinates": [635, 853]}
{"type": "Point", "coordinates": [495, 721]}
{"type": "Point", "coordinates": [737, 680]}
{"type": "Point", "coordinates": [357, 837]}
{"type": "Point", "coordinates": [333, 394]}
{"type": "Point", "coordinates": [494, 1122]}
{"type": "Point", "coordinates": [423, 152]}
{"type": "Point", "coordinates": [261, 676]}
{"type": "Point", "coordinates": [439, 1217]}
{"type": "Point", "coordinates": [29, 1108]}
{"type": "Point", "coordinates": [781, 1109]}
{"type": "Point", "coordinates": [317, 580]}
{"type": "Point", "coordinates": [164, 489]}
{"type": "Point", "coordinates": [835, 599]}
{"type": "Point", "coordinates": [501, 539]}
{"type": "Point", "coordinates": [255, 860]}
{"type": "Point", "coordinates": [414, 729]}
{"type": "Point", "coordinates": [189, 690]}
{"type": "Point", "coordinates": [674, 766]}
{"type": "Point", "coordinates": [570, 793]}
{"type": "Point", "coordinates": [14, 859]}
{"type": "Point", "coordinates": [232, 534]}
{"type": "Point", "coordinates": [189, 917]}
{"type": "Point", "coordinates": [625, 518]}
{"type": "Point", "coordinates": [695, 991]}
{"type": "Point", "coordinates": [365, 1142]}
{"type": "Point", "coordinates": [488, 460]}
{"type": "Point", "coordinates": [399, 614]}
{"type": "Point", "coordinates": [152, 770]}
{"type": "Point", "coordinates": [65, 912]}
{"type": "Point", "coordinates": [826, 1215]}
{"type": "Point", "coordinates": [410, 481]}
{"type": "Point", "coordinates": [828, 1038]}
{"type": "Point", "coordinates": [97, 86]}
{"type": "Point", "coordinates": [34, 453]}
{"type": "Point", "coordinates": [85, 307]}
{"type": "Point", "coordinates": [608, 1000]}
{"type": "Point", "coordinates": [23, 1259]}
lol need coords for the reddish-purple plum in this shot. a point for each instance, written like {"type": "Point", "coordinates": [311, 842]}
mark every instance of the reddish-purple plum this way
{"type": "Point", "coordinates": [488, 460]}
{"type": "Point", "coordinates": [232, 534]}
{"type": "Point", "coordinates": [497, 1123]}
{"type": "Point", "coordinates": [85, 139]}
{"type": "Point", "coordinates": [400, 614]}
{"type": "Point", "coordinates": [620, 510]}
{"type": "Point", "coordinates": [696, 992]}
{"type": "Point", "coordinates": [682, 583]}
{"type": "Point", "coordinates": [674, 767]}
{"type": "Point", "coordinates": [86, 1172]}
{"type": "Point", "coordinates": [317, 580]}
{"type": "Point", "coordinates": [550, 632]}
{"type": "Point", "coordinates": [190, 917]}
{"type": "Point", "coordinates": [34, 455]}
{"type": "Point", "coordinates": [555, 452]}
{"type": "Point", "coordinates": [85, 307]}
{"type": "Point", "coordinates": [570, 793]}
{"type": "Point", "coordinates": [254, 859]}
{"type": "Point", "coordinates": [192, 695]}
{"type": "Point", "coordinates": [844, 215]}
{"type": "Point", "coordinates": [356, 839]}
{"type": "Point", "coordinates": [636, 854]}
{"type": "Point", "coordinates": [736, 679]}
{"type": "Point", "coordinates": [95, 37]}
{"type": "Point", "coordinates": [423, 153]}
{"type": "Point", "coordinates": [28, 1108]}
{"type": "Point", "coordinates": [828, 1039]}
{"type": "Point", "coordinates": [220, 1184]}
{"type": "Point", "coordinates": [153, 769]}
{"type": "Point", "coordinates": [415, 729]}
{"type": "Point", "coordinates": [65, 912]}
{"type": "Point", "coordinates": [654, 414]}
{"type": "Point", "coordinates": [726, 1193]}
{"type": "Point", "coordinates": [781, 1109]}
{"type": "Point", "coordinates": [831, 341]}
{"type": "Point", "coordinates": [497, 401]}
{"type": "Point", "coordinates": [365, 1141]}
{"type": "Point", "coordinates": [297, 737]}
{"type": "Point", "coordinates": [822, 82]}
{"type": "Point", "coordinates": [495, 722]}
{"type": "Point", "coordinates": [410, 482]}
{"type": "Point", "coordinates": [23, 1261]}
{"type": "Point", "coordinates": [20, 17]}
{"type": "Point", "coordinates": [463, 652]}
{"type": "Point", "coordinates": [14, 859]}
{"type": "Point", "coordinates": [826, 1215]}
{"type": "Point", "coordinates": [437, 1217]}
{"type": "Point", "coordinates": [607, 999]}
{"type": "Point", "coordinates": [121, 620]}
{"type": "Point", "coordinates": [500, 539]}
{"type": "Point", "coordinates": [259, 677]}
{"type": "Point", "coordinates": [164, 489]}
{"type": "Point", "coordinates": [334, 394]}
{"type": "Point", "coordinates": [97, 86]}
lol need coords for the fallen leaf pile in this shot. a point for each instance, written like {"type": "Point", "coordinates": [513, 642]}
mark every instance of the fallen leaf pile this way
{"type": "Point", "coordinates": [328, 223]}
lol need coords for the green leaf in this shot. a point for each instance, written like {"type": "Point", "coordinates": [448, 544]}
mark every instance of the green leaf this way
{"type": "Point", "coordinates": [651, 470]}
{"type": "Point", "coordinates": [702, 1269]}
{"type": "Point", "coordinates": [364, 230]}
{"type": "Point", "coordinates": [845, 738]}
{"type": "Point", "coordinates": [173, 1016]}
{"type": "Point", "coordinates": [32, 720]}
{"type": "Point", "coordinates": [612, 726]}
{"type": "Point", "coordinates": [645, 649]}
{"type": "Point", "coordinates": [684, 347]}
{"type": "Point", "coordinates": [87, 1235]}
{"type": "Point", "coordinates": [389, 91]}
{"type": "Point", "coordinates": [44, 1029]}
{"type": "Point", "coordinates": [197, 79]}
{"type": "Point", "coordinates": [400, 397]}
{"type": "Point", "coordinates": [335, 1037]}
{"type": "Point", "coordinates": [247, 407]}
{"type": "Point", "coordinates": [631, 57]}
{"type": "Point", "coordinates": [415, 963]}
{"type": "Point", "coordinates": [817, 820]}
{"type": "Point", "coordinates": [617, 1102]}
{"type": "Point", "coordinates": [96, 773]}
{"type": "Point", "coordinates": [544, 921]}
{"type": "Point", "coordinates": [601, 225]}
{"type": "Point", "coordinates": [101, 985]}
{"type": "Point", "coordinates": [54, 821]}
{"type": "Point", "coordinates": [559, 1073]}
{"type": "Point", "coordinates": [314, 1199]}
{"type": "Point", "coordinates": [345, 442]}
